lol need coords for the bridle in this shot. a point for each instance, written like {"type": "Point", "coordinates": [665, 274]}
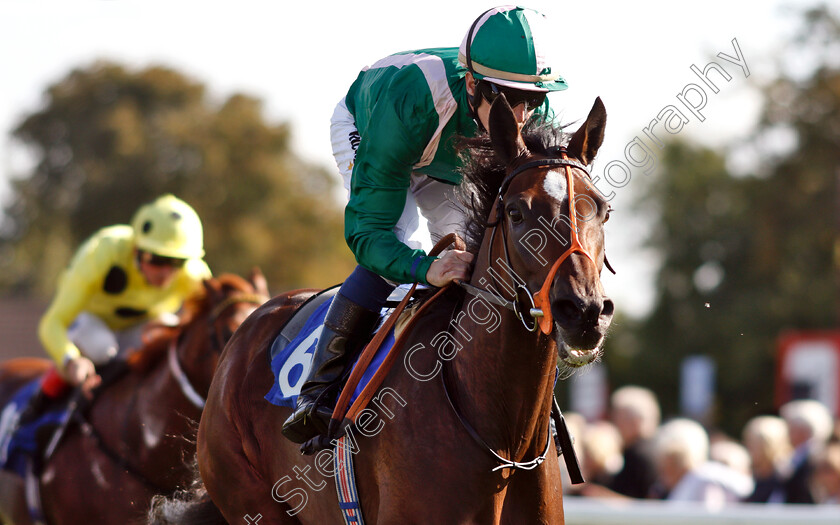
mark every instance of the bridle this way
{"type": "Point", "coordinates": [538, 312]}
{"type": "Point", "coordinates": [533, 309]}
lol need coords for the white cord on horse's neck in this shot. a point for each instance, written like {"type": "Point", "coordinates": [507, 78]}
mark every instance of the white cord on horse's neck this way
{"type": "Point", "coordinates": [183, 381]}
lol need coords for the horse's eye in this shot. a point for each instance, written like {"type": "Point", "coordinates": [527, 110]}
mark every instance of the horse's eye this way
{"type": "Point", "coordinates": [607, 216]}
{"type": "Point", "coordinates": [515, 215]}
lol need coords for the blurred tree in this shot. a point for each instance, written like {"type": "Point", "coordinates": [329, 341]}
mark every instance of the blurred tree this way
{"type": "Point", "coordinates": [745, 258]}
{"type": "Point", "coordinates": [108, 140]}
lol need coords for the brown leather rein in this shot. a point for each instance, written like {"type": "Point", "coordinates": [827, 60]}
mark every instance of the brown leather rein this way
{"type": "Point", "coordinates": [341, 415]}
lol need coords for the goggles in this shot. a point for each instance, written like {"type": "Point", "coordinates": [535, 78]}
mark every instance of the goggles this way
{"type": "Point", "coordinates": [159, 260]}
{"type": "Point", "coordinates": [532, 99]}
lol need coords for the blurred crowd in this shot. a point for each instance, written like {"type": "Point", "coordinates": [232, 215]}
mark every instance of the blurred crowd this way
{"type": "Point", "coordinates": [792, 457]}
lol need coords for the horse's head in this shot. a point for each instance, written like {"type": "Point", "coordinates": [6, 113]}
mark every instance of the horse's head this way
{"type": "Point", "coordinates": [549, 229]}
{"type": "Point", "coordinates": [213, 317]}
{"type": "Point", "coordinates": [228, 300]}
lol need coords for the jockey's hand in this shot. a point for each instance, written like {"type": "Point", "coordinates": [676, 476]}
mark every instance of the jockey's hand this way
{"type": "Point", "coordinates": [453, 264]}
{"type": "Point", "coordinates": [80, 371]}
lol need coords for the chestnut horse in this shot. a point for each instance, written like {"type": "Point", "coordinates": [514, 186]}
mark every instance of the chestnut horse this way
{"type": "Point", "coordinates": [458, 432]}
{"type": "Point", "coordinates": [138, 436]}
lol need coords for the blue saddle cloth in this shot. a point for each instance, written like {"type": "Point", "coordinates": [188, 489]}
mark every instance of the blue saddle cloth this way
{"type": "Point", "coordinates": [17, 445]}
{"type": "Point", "coordinates": [290, 365]}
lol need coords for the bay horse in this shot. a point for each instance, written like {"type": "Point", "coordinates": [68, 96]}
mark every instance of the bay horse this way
{"type": "Point", "coordinates": [459, 431]}
{"type": "Point", "coordinates": [137, 438]}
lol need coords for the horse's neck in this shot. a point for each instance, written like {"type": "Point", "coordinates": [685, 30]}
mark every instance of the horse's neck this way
{"type": "Point", "coordinates": [161, 407]}
{"type": "Point", "coordinates": [141, 415]}
{"type": "Point", "coordinates": [504, 375]}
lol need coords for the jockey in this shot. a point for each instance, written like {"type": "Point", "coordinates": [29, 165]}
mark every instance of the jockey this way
{"type": "Point", "coordinates": [119, 279]}
{"type": "Point", "coordinates": [391, 137]}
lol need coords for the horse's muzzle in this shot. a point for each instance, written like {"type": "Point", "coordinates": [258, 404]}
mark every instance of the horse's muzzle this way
{"type": "Point", "coordinates": [581, 325]}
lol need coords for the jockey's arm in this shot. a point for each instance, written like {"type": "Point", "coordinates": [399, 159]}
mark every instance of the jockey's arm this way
{"type": "Point", "coordinates": [378, 192]}
{"type": "Point", "coordinates": [75, 288]}
{"type": "Point", "coordinates": [395, 136]}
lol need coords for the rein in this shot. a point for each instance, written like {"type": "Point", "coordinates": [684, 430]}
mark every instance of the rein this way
{"type": "Point", "coordinates": [503, 463]}
{"type": "Point", "coordinates": [343, 413]}
{"type": "Point", "coordinates": [90, 431]}
{"type": "Point", "coordinates": [175, 366]}
{"type": "Point", "coordinates": [254, 298]}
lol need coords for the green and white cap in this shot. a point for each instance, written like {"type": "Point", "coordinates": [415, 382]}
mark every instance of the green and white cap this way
{"type": "Point", "coordinates": [507, 46]}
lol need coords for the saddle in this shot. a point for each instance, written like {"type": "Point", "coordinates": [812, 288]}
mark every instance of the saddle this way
{"type": "Point", "coordinates": [32, 440]}
{"type": "Point", "coordinates": [291, 351]}
{"type": "Point", "coordinates": [29, 440]}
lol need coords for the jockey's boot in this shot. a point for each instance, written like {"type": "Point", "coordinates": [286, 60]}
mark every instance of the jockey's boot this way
{"type": "Point", "coordinates": [346, 327]}
{"type": "Point", "coordinates": [36, 406]}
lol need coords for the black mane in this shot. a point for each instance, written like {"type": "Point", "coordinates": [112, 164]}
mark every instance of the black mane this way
{"type": "Point", "coordinates": [482, 173]}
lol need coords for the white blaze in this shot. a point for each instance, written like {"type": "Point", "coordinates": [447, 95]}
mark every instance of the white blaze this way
{"type": "Point", "coordinates": [555, 185]}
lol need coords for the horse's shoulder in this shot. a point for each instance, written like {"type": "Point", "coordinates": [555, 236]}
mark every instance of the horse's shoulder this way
{"type": "Point", "coordinates": [440, 307]}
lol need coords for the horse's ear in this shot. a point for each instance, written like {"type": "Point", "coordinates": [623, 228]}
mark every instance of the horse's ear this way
{"type": "Point", "coordinates": [212, 289]}
{"type": "Point", "coordinates": [588, 138]}
{"type": "Point", "coordinates": [504, 131]}
{"type": "Point", "coordinates": [258, 280]}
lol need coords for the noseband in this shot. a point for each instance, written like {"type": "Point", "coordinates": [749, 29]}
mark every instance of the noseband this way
{"type": "Point", "coordinates": [537, 312]}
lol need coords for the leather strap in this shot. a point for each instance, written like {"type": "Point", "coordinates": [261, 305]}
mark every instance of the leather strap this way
{"type": "Point", "coordinates": [341, 415]}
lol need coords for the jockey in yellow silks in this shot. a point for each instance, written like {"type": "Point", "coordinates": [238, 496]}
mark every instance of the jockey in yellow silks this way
{"type": "Point", "coordinates": [120, 278]}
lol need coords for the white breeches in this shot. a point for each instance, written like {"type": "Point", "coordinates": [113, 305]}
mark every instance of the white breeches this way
{"type": "Point", "coordinates": [99, 343]}
{"type": "Point", "coordinates": [431, 210]}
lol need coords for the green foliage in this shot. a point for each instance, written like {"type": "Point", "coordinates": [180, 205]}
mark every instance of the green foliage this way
{"type": "Point", "coordinates": [770, 239]}
{"type": "Point", "coordinates": [108, 140]}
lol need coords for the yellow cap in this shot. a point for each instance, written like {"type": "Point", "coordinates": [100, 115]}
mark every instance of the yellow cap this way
{"type": "Point", "coordinates": [169, 227]}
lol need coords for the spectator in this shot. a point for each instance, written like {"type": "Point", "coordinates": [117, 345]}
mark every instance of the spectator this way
{"type": "Point", "coordinates": [768, 443]}
{"type": "Point", "coordinates": [601, 452]}
{"type": "Point", "coordinates": [681, 449]}
{"type": "Point", "coordinates": [809, 425]}
{"type": "Point", "coordinates": [827, 475]}
{"type": "Point", "coordinates": [732, 454]}
{"type": "Point", "coordinates": [635, 413]}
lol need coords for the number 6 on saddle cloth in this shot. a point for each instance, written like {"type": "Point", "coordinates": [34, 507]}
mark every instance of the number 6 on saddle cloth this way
{"type": "Point", "coordinates": [292, 350]}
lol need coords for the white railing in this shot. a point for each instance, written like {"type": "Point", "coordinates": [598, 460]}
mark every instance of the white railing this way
{"type": "Point", "coordinates": [595, 511]}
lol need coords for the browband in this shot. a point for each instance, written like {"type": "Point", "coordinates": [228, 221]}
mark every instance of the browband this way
{"type": "Point", "coordinates": [542, 163]}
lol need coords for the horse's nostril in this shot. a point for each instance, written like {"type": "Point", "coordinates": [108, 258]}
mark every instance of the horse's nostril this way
{"type": "Point", "coordinates": [568, 310]}
{"type": "Point", "coordinates": [583, 312]}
